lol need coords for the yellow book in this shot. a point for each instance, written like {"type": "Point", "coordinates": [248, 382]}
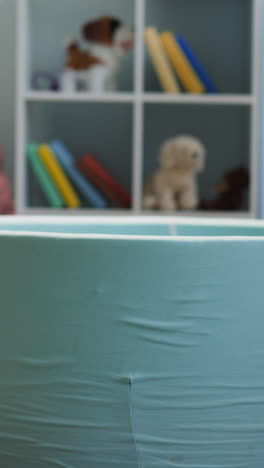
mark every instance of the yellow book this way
{"type": "Point", "coordinates": [185, 71]}
{"type": "Point", "coordinates": [61, 180]}
{"type": "Point", "coordinates": [160, 61]}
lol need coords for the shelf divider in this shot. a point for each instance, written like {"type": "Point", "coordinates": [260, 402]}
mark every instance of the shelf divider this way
{"type": "Point", "coordinates": [21, 121]}
{"type": "Point", "coordinates": [255, 110]}
{"type": "Point", "coordinates": [138, 106]}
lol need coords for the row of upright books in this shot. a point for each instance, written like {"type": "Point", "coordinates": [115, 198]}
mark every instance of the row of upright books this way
{"type": "Point", "coordinates": [70, 182]}
{"type": "Point", "coordinates": [177, 66]}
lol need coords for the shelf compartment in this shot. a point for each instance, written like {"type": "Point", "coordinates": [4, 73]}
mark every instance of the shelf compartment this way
{"type": "Point", "coordinates": [104, 130]}
{"type": "Point", "coordinates": [47, 34]}
{"type": "Point", "coordinates": [224, 131]}
{"type": "Point", "coordinates": [224, 50]}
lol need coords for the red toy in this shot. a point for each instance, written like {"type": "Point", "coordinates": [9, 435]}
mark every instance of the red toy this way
{"type": "Point", "coordinates": [6, 201]}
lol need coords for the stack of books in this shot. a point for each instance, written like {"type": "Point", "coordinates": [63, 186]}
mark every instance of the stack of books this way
{"type": "Point", "coordinates": [69, 182]}
{"type": "Point", "coordinates": [172, 53]}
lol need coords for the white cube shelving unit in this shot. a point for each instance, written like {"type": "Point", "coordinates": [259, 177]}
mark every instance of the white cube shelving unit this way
{"type": "Point", "coordinates": [127, 128]}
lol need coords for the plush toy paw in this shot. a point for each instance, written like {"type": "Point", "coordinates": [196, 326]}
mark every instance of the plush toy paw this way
{"type": "Point", "coordinates": [167, 202]}
{"type": "Point", "coordinates": [149, 202]}
{"type": "Point", "coordinates": [188, 201]}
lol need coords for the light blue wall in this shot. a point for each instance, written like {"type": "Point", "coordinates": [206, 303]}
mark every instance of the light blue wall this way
{"type": "Point", "coordinates": [7, 80]}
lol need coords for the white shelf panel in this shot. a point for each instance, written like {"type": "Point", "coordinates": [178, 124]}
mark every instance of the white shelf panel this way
{"type": "Point", "coordinates": [117, 213]}
{"type": "Point", "coordinates": [155, 98]}
{"type": "Point", "coordinates": [202, 214]}
{"type": "Point", "coordinates": [227, 99]}
{"type": "Point", "coordinates": [46, 96]}
{"type": "Point", "coordinates": [77, 212]}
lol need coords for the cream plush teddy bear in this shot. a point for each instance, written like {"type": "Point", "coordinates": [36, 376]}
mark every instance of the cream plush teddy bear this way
{"type": "Point", "coordinates": [173, 186]}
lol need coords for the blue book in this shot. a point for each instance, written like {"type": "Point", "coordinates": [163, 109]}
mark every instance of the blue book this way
{"type": "Point", "coordinates": [201, 72]}
{"type": "Point", "coordinates": [66, 159]}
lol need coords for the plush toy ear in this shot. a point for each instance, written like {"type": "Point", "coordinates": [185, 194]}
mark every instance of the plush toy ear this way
{"type": "Point", "coordinates": [98, 31]}
{"type": "Point", "coordinates": [167, 155]}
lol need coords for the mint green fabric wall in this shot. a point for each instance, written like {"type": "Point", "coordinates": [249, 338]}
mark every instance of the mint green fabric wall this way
{"type": "Point", "coordinates": [137, 227]}
{"type": "Point", "coordinates": [83, 227]}
{"type": "Point", "coordinates": [130, 352]}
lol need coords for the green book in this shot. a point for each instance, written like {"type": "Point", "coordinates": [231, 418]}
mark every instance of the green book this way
{"type": "Point", "coordinates": [49, 188]}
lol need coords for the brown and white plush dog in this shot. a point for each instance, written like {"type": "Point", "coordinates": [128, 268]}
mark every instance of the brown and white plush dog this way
{"type": "Point", "coordinates": [173, 186]}
{"type": "Point", "coordinates": [96, 65]}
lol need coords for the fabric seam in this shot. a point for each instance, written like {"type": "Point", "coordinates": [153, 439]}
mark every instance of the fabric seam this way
{"type": "Point", "coordinates": [133, 422]}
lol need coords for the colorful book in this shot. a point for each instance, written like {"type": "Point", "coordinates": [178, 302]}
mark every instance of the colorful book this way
{"type": "Point", "coordinates": [97, 181]}
{"type": "Point", "coordinates": [196, 64]}
{"type": "Point", "coordinates": [64, 185]}
{"type": "Point", "coordinates": [160, 61]}
{"type": "Point", "coordinates": [46, 183]}
{"type": "Point", "coordinates": [104, 181]}
{"type": "Point", "coordinates": [67, 161]}
{"type": "Point", "coordinates": [184, 70]}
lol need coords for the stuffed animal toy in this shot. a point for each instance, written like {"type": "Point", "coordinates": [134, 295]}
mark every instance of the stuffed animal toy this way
{"type": "Point", "coordinates": [173, 186]}
{"type": "Point", "coordinates": [6, 202]}
{"type": "Point", "coordinates": [96, 65]}
{"type": "Point", "coordinates": [230, 191]}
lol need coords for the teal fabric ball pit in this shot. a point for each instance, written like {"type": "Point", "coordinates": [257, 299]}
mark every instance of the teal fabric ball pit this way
{"type": "Point", "coordinates": [131, 343]}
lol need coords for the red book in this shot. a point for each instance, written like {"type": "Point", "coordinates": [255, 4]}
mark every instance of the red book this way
{"type": "Point", "coordinates": [105, 182]}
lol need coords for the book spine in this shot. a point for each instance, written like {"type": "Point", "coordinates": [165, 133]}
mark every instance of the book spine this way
{"type": "Point", "coordinates": [196, 64]}
{"type": "Point", "coordinates": [185, 72]}
{"type": "Point", "coordinates": [89, 164]}
{"type": "Point", "coordinates": [60, 179]}
{"type": "Point", "coordinates": [46, 183]}
{"type": "Point", "coordinates": [67, 160]}
{"type": "Point", "coordinates": [160, 61]}
{"type": "Point", "coordinates": [102, 185]}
